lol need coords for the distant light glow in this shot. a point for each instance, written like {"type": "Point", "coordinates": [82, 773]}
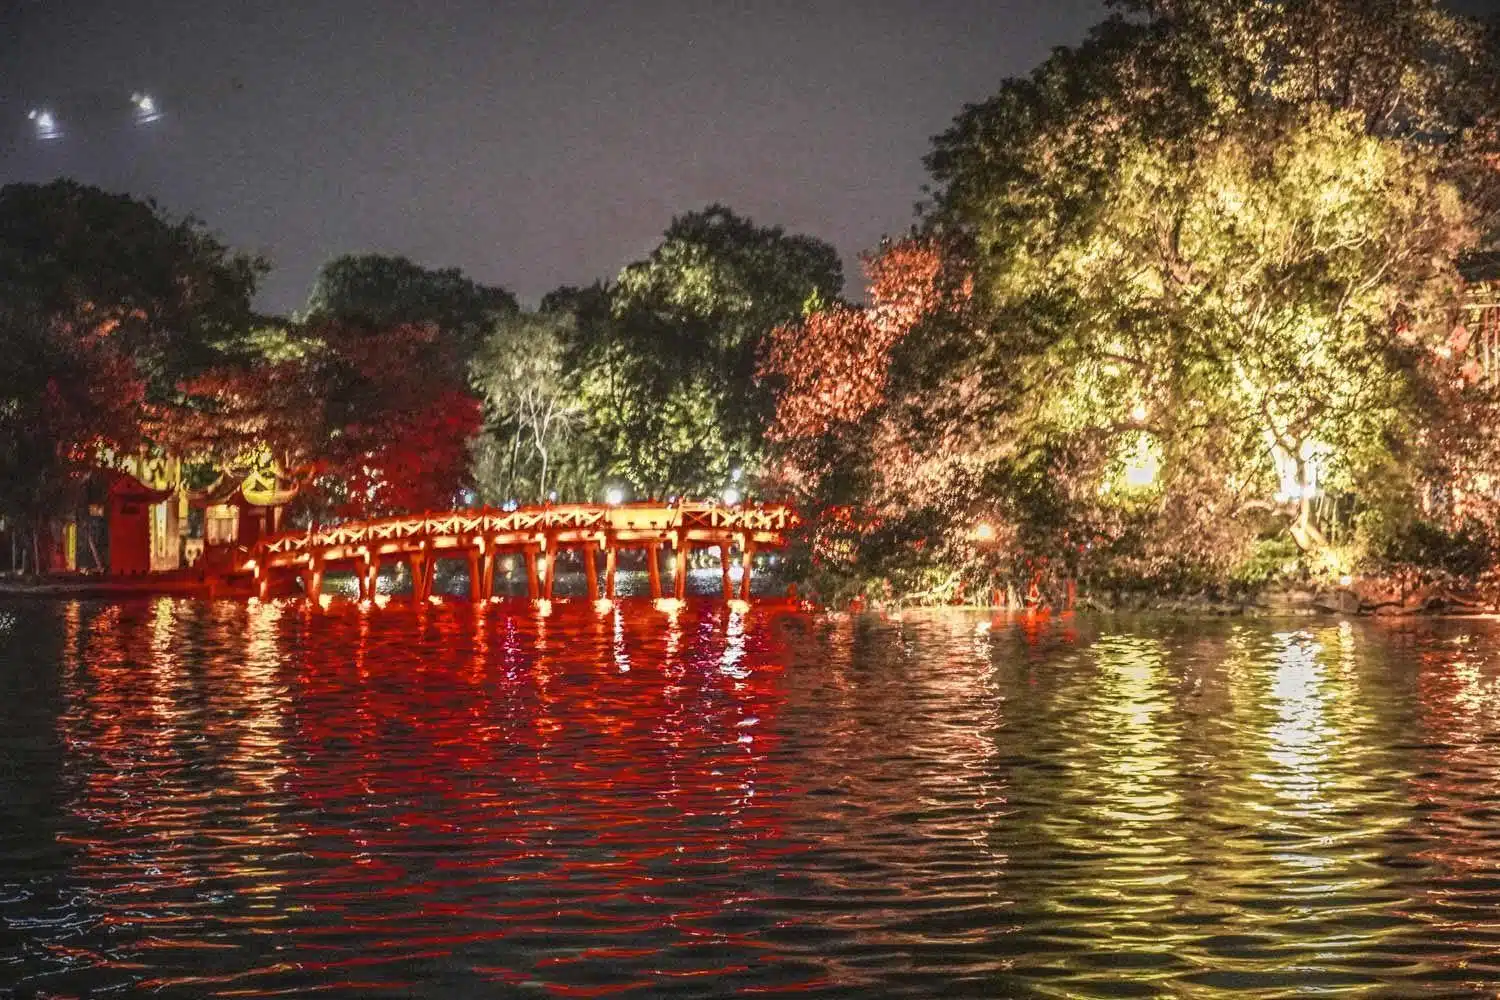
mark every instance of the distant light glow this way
{"type": "Point", "coordinates": [984, 532]}
{"type": "Point", "coordinates": [731, 496]}
{"type": "Point", "coordinates": [615, 496]}
{"type": "Point", "coordinates": [739, 607]}
{"type": "Point", "coordinates": [734, 475]}
{"type": "Point", "coordinates": [324, 600]}
{"type": "Point", "coordinates": [603, 604]}
{"type": "Point", "coordinates": [1139, 413]}
{"type": "Point", "coordinates": [668, 605]}
{"type": "Point", "coordinates": [46, 124]}
{"type": "Point", "coordinates": [146, 110]}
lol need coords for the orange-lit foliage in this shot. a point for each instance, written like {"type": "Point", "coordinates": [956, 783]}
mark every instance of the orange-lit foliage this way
{"type": "Point", "coordinates": [234, 412]}
{"type": "Point", "coordinates": [835, 363]}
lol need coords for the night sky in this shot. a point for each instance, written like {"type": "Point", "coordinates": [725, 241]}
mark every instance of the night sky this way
{"type": "Point", "coordinates": [532, 143]}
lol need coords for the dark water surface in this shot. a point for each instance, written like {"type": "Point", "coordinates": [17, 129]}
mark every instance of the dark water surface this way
{"type": "Point", "coordinates": [213, 800]}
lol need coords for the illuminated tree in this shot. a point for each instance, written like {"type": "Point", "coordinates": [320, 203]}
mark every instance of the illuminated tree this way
{"type": "Point", "coordinates": [668, 380]}
{"type": "Point", "coordinates": [530, 410]}
{"type": "Point", "coordinates": [1212, 252]}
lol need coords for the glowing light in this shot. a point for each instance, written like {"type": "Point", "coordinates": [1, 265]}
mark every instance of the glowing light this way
{"type": "Point", "coordinates": [739, 607]}
{"type": "Point", "coordinates": [253, 602]}
{"type": "Point", "coordinates": [46, 124]}
{"type": "Point", "coordinates": [250, 566]}
{"type": "Point", "coordinates": [734, 475]}
{"type": "Point", "coordinates": [603, 605]}
{"type": "Point", "coordinates": [1142, 464]}
{"type": "Point", "coordinates": [381, 600]}
{"type": "Point", "coordinates": [1139, 413]}
{"type": "Point", "coordinates": [543, 607]}
{"type": "Point", "coordinates": [668, 605]}
{"type": "Point", "coordinates": [1345, 580]}
{"type": "Point", "coordinates": [615, 497]}
{"type": "Point", "coordinates": [324, 600]}
{"type": "Point", "coordinates": [552, 496]}
{"type": "Point", "coordinates": [146, 110]}
{"type": "Point", "coordinates": [984, 532]}
{"type": "Point", "coordinates": [494, 600]}
{"type": "Point", "coordinates": [731, 496]}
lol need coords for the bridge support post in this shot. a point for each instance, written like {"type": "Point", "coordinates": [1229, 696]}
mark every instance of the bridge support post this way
{"type": "Point", "coordinates": [422, 566]}
{"type": "Point", "coordinates": [591, 571]}
{"type": "Point", "coordinates": [312, 580]}
{"type": "Point", "coordinates": [679, 569]}
{"type": "Point", "coordinates": [365, 573]}
{"type": "Point", "coordinates": [609, 569]}
{"type": "Point", "coordinates": [747, 560]}
{"type": "Point", "coordinates": [653, 568]}
{"type": "Point", "coordinates": [476, 583]}
{"type": "Point", "coordinates": [724, 569]}
{"type": "Point", "coordinates": [533, 590]}
{"type": "Point", "coordinates": [487, 572]}
{"type": "Point", "coordinates": [549, 566]}
{"type": "Point", "coordinates": [262, 584]}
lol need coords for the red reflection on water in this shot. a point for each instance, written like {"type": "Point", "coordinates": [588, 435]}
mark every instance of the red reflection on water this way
{"type": "Point", "coordinates": [275, 798]}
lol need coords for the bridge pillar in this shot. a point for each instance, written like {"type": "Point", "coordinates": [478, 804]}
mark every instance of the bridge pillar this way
{"type": "Point", "coordinates": [747, 559]}
{"type": "Point", "coordinates": [591, 571]}
{"type": "Point", "coordinates": [609, 569]}
{"type": "Point", "coordinates": [653, 568]}
{"type": "Point", "coordinates": [262, 584]}
{"type": "Point", "coordinates": [476, 582]}
{"type": "Point", "coordinates": [724, 569]}
{"type": "Point", "coordinates": [422, 571]}
{"type": "Point", "coordinates": [365, 573]}
{"type": "Point", "coordinates": [679, 570]}
{"type": "Point", "coordinates": [533, 590]}
{"type": "Point", "coordinates": [312, 580]}
{"type": "Point", "coordinates": [487, 572]}
{"type": "Point", "coordinates": [549, 566]}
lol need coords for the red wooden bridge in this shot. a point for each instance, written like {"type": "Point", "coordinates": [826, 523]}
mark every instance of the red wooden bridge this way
{"type": "Point", "coordinates": [540, 534]}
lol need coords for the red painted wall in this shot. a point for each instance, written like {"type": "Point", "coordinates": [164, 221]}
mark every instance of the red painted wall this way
{"type": "Point", "coordinates": [129, 536]}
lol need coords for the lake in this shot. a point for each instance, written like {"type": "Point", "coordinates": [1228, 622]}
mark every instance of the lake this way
{"type": "Point", "coordinates": [221, 800]}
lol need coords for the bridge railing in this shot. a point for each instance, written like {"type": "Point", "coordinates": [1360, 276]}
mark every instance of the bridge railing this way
{"type": "Point", "coordinates": [534, 521]}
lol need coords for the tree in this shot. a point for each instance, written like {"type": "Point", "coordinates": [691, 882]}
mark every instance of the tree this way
{"type": "Point", "coordinates": [668, 382]}
{"type": "Point", "coordinates": [105, 304]}
{"type": "Point", "coordinates": [382, 292]}
{"type": "Point", "coordinates": [1212, 253]}
{"type": "Point", "coordinates": [530, 410]}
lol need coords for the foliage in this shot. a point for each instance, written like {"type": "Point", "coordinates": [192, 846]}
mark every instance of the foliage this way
{"type": "Point", "coordinates": [381, 292]}
{"type": "Point", "coordinates": [1213, 270]}
{"type": "Point", "coordinates": [104, 304]}
{"type": "Point", "coordinates": [530, 411]}
{"type": "Point", "coordinates": [667, 381]}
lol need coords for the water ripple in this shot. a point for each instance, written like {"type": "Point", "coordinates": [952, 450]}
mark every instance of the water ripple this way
{"type": "Point", "coordinates": [213, 800]}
